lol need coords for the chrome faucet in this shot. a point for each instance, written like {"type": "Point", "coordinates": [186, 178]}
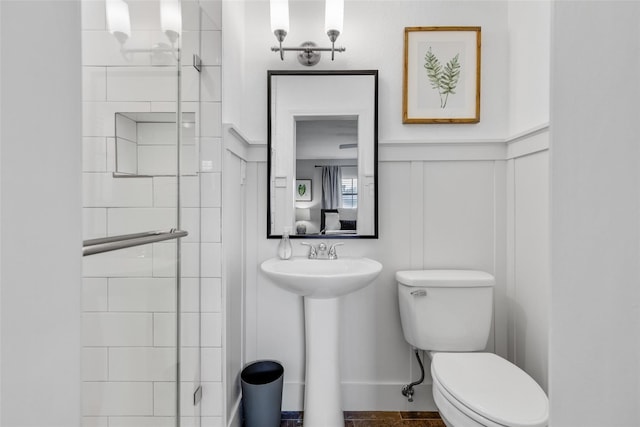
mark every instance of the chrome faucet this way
{"type": "Point", "coordinates": [332, 251]}
{"type": "Point", "coordinates": [321, 250]}
{"type": "Point", "coordinates": [313, 254]}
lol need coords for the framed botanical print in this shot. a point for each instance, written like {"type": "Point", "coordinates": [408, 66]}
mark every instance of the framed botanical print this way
{"type": "Point", "coordinates": [441, 79]}
{"type": "Point", "coordinates": [303, 190]}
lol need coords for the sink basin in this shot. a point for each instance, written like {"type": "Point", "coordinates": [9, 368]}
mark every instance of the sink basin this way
{"type": "Point", "coordinates": [322, 278]}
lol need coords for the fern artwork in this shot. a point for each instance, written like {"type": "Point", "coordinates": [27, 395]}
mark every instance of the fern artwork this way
{"type": "Point", "coordinates": [302, 189]}
{"type": "Point", "coordinates": [443, 79]}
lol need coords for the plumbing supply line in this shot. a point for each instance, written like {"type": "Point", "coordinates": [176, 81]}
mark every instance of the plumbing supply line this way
{"type": "Point", "coordinates": [407, 390]}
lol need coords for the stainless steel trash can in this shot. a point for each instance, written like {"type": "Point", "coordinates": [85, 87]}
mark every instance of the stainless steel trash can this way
{"type": "Point", "coordinates": [262, 393]}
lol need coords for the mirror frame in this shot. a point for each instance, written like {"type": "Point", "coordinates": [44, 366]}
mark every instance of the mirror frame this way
{"type": "Point", "coordinates": [374, 73]}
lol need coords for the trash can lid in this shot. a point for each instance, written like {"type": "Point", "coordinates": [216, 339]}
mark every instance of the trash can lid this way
{"type": "Point", "coordinates": [262, 372]}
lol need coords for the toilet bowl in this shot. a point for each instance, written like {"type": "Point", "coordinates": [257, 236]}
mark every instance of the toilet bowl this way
{"type": "Point", "coordinates": [448, 313]}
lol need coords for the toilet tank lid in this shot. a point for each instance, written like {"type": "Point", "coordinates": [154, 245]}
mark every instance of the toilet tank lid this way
{"type": "Point", "coordinates": [445, 278]}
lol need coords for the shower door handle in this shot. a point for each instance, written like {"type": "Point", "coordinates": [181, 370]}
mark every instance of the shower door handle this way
{"type": "Point", "coordinates": [113, 243]}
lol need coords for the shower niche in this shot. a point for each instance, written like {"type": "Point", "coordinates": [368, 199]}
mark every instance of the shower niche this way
{"type": "Point", "coordinates": [146, 144]}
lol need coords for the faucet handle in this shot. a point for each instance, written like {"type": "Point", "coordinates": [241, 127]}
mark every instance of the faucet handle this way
{"type": "Point", "coordinates": [312, 250]}
{"type": "Point", "coordinates": [332, 251]}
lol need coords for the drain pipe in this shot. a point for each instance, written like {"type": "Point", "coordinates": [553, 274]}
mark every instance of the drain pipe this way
{"type": "Point", "coordinates": [407, 390]}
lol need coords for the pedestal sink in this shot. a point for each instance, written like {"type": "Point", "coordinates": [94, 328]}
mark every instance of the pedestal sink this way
{"type": "Point", "coordinates": [321, 282]}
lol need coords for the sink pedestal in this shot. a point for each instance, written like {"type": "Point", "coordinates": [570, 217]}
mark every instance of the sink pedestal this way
{"type": "Point", "coordinates": [322, 397]}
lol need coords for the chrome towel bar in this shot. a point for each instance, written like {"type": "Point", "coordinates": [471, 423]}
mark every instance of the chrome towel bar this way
{"type": "Point", "coordinates": [112, 243]}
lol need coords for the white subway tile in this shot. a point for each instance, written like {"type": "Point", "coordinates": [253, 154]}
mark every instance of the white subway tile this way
{"type": "Point", "coordinates": [142, 364]}
{"type": "Point", "coordinates": [211, 260]}
{"type": "Point", "coordinates": [210, 224]}
{"type": "Point", "coordinates": [157, 133]}
{"type": "Point", "coordinates": [211, 123]}
{"type": "Point", "coordinates": [95, 422]}
{"type": "Point", "coordinates": [164, 259]}
{"type": "Point", "coordinates": [103, 190]}
{"type": "Point", "coordinates": [94, 222]}
{"type": "Point", "coordinates": [212, 398]}
{"type": "Point", "coordinates": [211, 84]}
{"type": "Point", "coordinates": [190, 82]}
{"type": "Point", "coordinates": [145, 15]}
{"type": "Point", "coordinates": [94, 364]}
{"type": "Point", "coordinates": [211, 332]}
{"type": "Point", "coordinates": [94, 154]}
{"type": "Point", "coordinates": [164, 399]}
{"type": "Point", "coordinates": [157, 160]}
{"type": "Point", "coordinates": [190, 44]}
{"type": "Point", "coordinates": [190, 260]}
{"type": "Point", "coordinates": [111, 154]}
{"type": "Point", "coordinates": [126, 127]}
{"type": "Point", "coordinates": [98, 118]}
{"type": "Point", "coordinates": [117, 329]}
{"type": "Point", "coordinates": [94, 294]}
{"type": "Point", "coordinates": [190, 298]}
{"type": "Point", "coordinates": [211, 154]}
{"type": "Point", "coordinates": [211, 369]}
{"type": "Point", "coordinates": [142, 294]}
{"type": "Point", "coordinates": [117, 398]}
{"type": "Point", "coordinates": [189, 364]}
{"type": "Point", "coordinates": [211, 295]}
{"type": "Point", "coordinates": [211, 47]}
{"type": "Point", "coordinates": [210, 422]}
{"type": "Point", "coordinates": [142, 421]}
{"type": "Point", "coordinates": [130, 262]}
{"type": "Point", "coordinates": [187, 409]}
{"type": "Point", "coordinates": [141, 84]}
{"type": "Point", "coordinates": [164, 330]}
{"type": "Point", "coordinates": [99, 48]}
{"type": "Point", "coordinates": [165, 194]}
{"type": "Point", "coordinates": [212, 14]}
{"type": "Point", "coordinates": [190, 15]}
{"type": "Point", "coordinates": [190, 219]}
{"type": "Point", "coordinates": [94, 83]}
{"type": "Point", "coordinates": [211, 190]}
{"type": "Point", "coordinates": [132, 220]}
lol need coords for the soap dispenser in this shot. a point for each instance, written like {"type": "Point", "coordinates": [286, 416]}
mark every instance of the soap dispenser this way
{"type": "Point", "coordinates": [284, 247]}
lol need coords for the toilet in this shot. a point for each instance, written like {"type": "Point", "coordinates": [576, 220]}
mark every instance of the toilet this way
{"type": "Point", "coordinates": [448, 313]}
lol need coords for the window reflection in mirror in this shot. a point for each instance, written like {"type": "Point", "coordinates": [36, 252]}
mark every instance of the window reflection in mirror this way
{"type": "Point", "coordinates": [322, 146]}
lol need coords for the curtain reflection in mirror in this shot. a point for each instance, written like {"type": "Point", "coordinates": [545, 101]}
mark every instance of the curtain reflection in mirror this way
{"type": "Point", "coordinates": [331, 187]}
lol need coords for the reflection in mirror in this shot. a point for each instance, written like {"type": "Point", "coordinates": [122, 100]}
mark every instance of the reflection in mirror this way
{"type": "Point", "coordinates": [323, 154]}
{"type": "Point", "coordinates": [146, 144]}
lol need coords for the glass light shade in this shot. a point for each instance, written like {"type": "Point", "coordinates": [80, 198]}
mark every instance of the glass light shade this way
{"type": "Point", "coordinates": [118, 21]}
{"type": "Point", "coordinates": [334, 15]}
{"type": "Point", "coordinates": [280, 15]}
{"type": "Point", "coordinates": [303, 214]}
{"type": "Point", "coordinates": [171, 18]}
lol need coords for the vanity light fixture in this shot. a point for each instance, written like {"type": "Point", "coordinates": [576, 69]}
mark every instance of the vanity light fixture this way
{"type": "Point", "coordinates": [309, 52]}
{"type": "Point", "coordinates": [119, 25]}
{"type": "Point", "coordinates": [118, 21]}
{"type": "Point", "coordinates": [171, 19]}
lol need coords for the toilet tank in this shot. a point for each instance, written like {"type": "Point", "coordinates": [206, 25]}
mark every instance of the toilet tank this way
{"type": "Point", "coordinates": [446, 310]}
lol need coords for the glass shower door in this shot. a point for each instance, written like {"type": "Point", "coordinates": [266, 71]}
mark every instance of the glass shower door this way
{"type": "Point", "coordinates": [140, 303]}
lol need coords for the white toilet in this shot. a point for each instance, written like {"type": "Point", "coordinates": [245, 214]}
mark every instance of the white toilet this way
{"type": "Point", "coordinates": [448, 313]}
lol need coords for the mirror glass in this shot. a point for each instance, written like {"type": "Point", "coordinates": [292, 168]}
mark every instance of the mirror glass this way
{"type": "Point", "coordinates": [323, 149]}
{"type": "Point", "coordinates": [146, 144]}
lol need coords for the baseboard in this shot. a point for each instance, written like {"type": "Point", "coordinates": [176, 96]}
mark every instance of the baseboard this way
{"type": "Point", "coordinates": [366, 397]}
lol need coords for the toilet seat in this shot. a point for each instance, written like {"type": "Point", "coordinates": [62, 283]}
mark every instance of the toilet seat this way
{"type": "Point", "coordinates": [489, 389]}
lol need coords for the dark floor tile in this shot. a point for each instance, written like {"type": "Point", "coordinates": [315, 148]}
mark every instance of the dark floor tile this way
{"type": "Point", "coordinates": [422, 415]}
{"type": "Point", "coordinates": [371, 415]}
{"type": "Point", "coordinates": [291, 415]}
{"type": "Point", "coordinates": [392, 423]}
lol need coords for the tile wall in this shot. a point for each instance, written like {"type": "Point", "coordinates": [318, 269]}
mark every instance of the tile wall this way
{"type": "Point", "coordinates": [129, 296]}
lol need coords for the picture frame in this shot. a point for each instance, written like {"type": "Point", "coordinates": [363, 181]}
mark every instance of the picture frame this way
{"type": "Point", "coordinates": [303, 190]}
{"type": "Point", "coordinates": [441, 75]}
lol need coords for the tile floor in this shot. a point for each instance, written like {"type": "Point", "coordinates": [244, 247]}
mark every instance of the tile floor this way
{"type": "Point", "coordinates": [375, 419]}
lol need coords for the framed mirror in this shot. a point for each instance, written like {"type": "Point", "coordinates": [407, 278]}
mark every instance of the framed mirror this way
{"type": "Point", "coordinates": [322, 154]}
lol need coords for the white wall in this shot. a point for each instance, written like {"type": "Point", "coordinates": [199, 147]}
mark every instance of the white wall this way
{"type": "Point", "coordinates": [370, 47]}
{"type": "Point", "coordinates": [426, 192]}
{"type": "Point", "coordinates": [41, 215]}
{"type": "Point", "coordinates": [594, 342]}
